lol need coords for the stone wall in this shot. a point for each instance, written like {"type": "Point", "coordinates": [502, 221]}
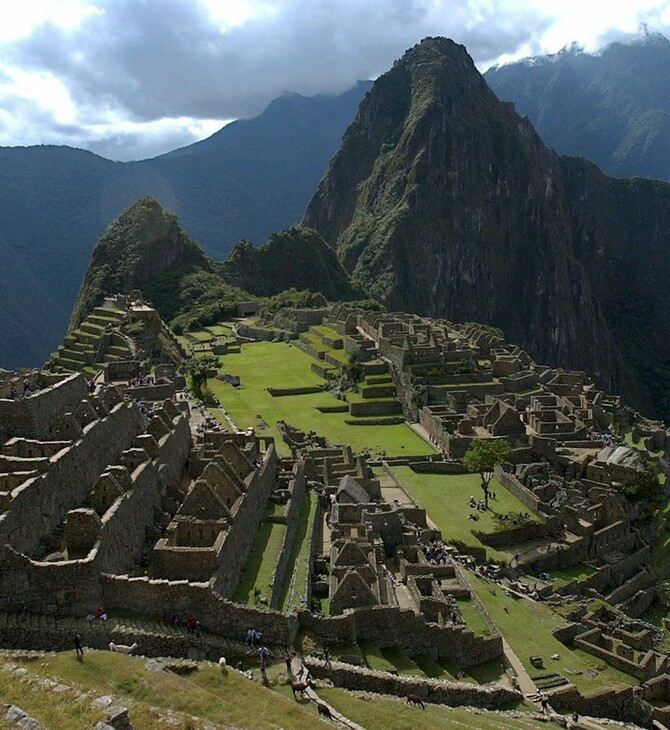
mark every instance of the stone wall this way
{"type": "Point", "coordinates": [513, 535]}
{"type": "Point", "coordinates": [619, 702]}
{"type": "Point", "coordinates": [157, 392]}
{"type": "Point", "coordinates": [123, 534]}
{"type": "Point", "coordinates": [391, 626]}
{"type": "Point", "coordinates": [295, 505]}
{"type": "Point", "coordinates": [162, 599]}
{"type": "Point", "coordinates": [246, 521]}
{"type": "Point", "coordinates": [522, 493]}
{"type": "Point", "coordinates": [375, 408]}
{"type": "Point", "coordinates": [52, 588]}
{"type": "Point", "coordinates": [453, 694]}
{"type": "Point", "coordinates": [37, 415]}
{"type": "Point", "coordinates": [40, 505]}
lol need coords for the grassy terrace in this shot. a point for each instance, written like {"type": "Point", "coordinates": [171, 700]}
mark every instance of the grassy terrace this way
{"type": "Point", "coordinates": [299, 560]}
{"type": "Point", "coordinates": [446, 499]}
{"type": "Point", "coordinates": [527, 626]}
{"type": "Point", "coordinates": [280, 365]}
{"type": "Point", "coordinates": [257, 573]}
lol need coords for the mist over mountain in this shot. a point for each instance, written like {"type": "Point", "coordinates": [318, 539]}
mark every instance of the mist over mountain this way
{"type": "Point", "coordinates": [251, 178]}
{"type": "Point", "coordinates": [612, 107]}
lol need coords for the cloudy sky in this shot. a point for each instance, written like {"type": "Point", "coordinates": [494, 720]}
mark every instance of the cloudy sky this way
{"type": "Point", "coordinates": [130, 79]}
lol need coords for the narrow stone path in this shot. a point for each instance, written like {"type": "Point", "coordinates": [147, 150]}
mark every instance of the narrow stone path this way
{"type": "Point", "coordinates": [299, 670]}
{"type": "Point", "coordinates": [526, 684]}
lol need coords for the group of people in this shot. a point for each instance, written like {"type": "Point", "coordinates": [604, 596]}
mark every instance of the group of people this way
{"type": "Point", "coordinates": [27, 390]}
{"type": "Point", "coordinates": [140, 380]}
{"type": "Point", "coordinates": [479, 504]}
{"type": "Point", "coordinates": [253, 637]}
{"type": "Point", "coordinates": [436, 552]}
{"type": "Point", "coordinates": [98, 615]}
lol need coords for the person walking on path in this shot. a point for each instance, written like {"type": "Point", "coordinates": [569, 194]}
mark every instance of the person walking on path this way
{"type": "Point", "coordinates": [77, 646]}
{"type": "Point", "coordinates": [264, 657]}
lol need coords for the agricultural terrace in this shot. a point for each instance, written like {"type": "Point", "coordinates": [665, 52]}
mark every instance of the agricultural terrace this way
{"type": "Point", "coordinates": [446, 498]}
{"type": "Point", "coordinates": [282, 365]}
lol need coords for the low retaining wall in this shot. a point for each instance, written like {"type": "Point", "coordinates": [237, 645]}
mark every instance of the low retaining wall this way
{"type": "Point", "coordinates": [620, 703]}
{"type": "Point", "coordinates": [513, 535]}
{"type": "Point", "coordinates": [454, 694]}
{"type": "Point", "coordinates": [279, 392]}
{"type": "Point", "coordinates": [522, 493]}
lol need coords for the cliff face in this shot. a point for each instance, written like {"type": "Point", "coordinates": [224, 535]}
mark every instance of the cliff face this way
{"type": "Point", "coordinates": [443, 201]}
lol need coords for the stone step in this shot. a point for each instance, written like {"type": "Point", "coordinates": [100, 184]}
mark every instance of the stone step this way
{"type": "Point", "coordinates": [87, 337]}
{"type": "Point", "coordinates": [67, 364]}
{"type": "Point", "coordinates": [84, 358]}
{"type": "Point", "coordinates": [91, 328]}
{"type": "Point", "coordinates": [109, 313]}
{"type": "Point", "coordinates": [100, 321]}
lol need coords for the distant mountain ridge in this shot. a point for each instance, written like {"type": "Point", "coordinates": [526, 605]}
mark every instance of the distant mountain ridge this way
{"type": "Point", "coordinates": [612, 107]}
{"type": "Point", "coordinates": [443, 201]}
{"type": "Point", "coordinates": [250, 179]}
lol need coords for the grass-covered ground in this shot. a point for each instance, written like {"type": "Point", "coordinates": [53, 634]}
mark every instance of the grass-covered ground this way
{"type": "Point", "coordinates": [299, 560]}
{"type": "Point", "coordinates": [207, 695]}
{"type": "Point", "coordinates": [446, 499]}
{"type": "Point", "coordinates": [257, 573]}
{"type": "Point", "coordinates": [280, 365]}
{"type": "Point", "coordinates": [527, 626]}
{"type": "Point", "coordinates": [390, 714]}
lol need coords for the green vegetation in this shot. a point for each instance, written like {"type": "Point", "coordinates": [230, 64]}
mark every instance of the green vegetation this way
{"type": "Point", "coordinates": [297, 257]}
{"type": "Point", "coordinates": [567, 575]}
{"type": "Point", "coordinates": [198, 368]}
{"type": "Point", "coordinates": [472, 616]}
{"type": "Point", "coordinates": [401, 661]}
{"type": "Point", "coordinates": [527, 626]}
{"type": "Point", "coordinates": [280, 365]}
{"type": "Point", "coordinates": [256, 578]}
{"type": "Point", "coordinates": [446, 499]}
{"type": "Point", "coordinates": [482, 456]}
{"type": "Point", "coordinates": [228, 700]}
{"type": "Point", "coordinates": [393, 714]}
{"type": "Point", "coordinates": [298, 565]}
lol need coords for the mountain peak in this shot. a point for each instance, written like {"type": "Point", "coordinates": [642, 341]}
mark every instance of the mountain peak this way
{"type": "Point", "coordinates": [142, 243]}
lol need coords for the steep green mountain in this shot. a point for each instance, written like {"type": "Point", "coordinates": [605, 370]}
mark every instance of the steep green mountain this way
{"type": "Point", "coordinates": [145, 248]}
{"type": "Point", "coordinates": [297, 257]}
{"type": "Point", "coordinates": [443, 201]}
{"type": "Point", "coordinates": [249, 179]}
{"type": "Point", "coordinates": [612, 107]}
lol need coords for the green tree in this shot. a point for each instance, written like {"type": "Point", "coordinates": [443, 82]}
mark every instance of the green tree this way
{"type": "Point", "coordinates": [198, 367]}
{"type": "Point", "coordinates": [482, 456]}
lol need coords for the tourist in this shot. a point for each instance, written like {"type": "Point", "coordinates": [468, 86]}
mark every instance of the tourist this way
{"type": "Point", "coordinates": [77, 646]}
{"type": "Point", "coordinates": [326, 656]}
{"type": "Point", "coordinates": [263, 658]}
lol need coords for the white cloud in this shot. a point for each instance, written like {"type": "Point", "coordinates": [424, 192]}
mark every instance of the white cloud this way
{"type": "Point", "coordinates": [131, 78]}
